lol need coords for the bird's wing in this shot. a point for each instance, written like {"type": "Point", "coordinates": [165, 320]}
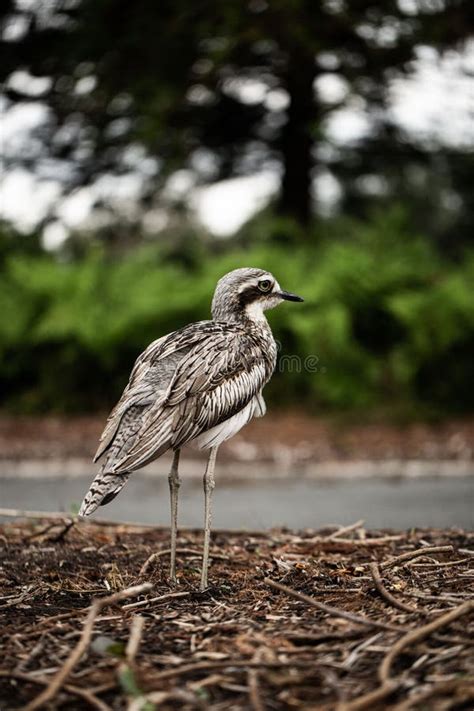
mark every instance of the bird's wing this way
{"type": "Point", "coordinates": [214, 381]}
{"type": "Point", "coordinates": [152, 374]}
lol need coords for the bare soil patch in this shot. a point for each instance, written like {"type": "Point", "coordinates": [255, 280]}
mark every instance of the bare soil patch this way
{"type": "Point", "coordinates": [274, 437]}
{"type": "Point", "coordinates": [338, 619]}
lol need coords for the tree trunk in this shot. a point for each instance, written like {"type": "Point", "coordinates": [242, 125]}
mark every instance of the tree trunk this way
{"type": "Point", "coordinates": [296, 140]}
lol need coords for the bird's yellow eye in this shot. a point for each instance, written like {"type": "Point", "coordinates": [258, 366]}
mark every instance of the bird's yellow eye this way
{"type": "Point", "coordinates": [265, 285]}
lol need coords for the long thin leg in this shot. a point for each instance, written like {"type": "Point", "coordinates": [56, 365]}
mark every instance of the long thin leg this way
{"type": "Point", "coordinates": [173, 479]}
{"type": "Point", "coordinates": [209, 485]}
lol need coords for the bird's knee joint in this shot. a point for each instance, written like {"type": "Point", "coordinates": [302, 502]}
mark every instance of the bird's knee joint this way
{"type": "Point", "coordinates": [209, 485]}
{"type": "Point", "coordinates": [174, 480]}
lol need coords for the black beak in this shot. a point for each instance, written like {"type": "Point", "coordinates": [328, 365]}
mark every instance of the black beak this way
{"type": "Point", "coordinates": [289, 297]}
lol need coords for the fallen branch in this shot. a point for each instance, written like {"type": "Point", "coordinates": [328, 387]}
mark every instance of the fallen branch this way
{"type": "Point", "coordinates": [352, 657]}
{"type": "Point", "coordinates": [334, 611]}
{"type": "Point", "coordinates": [358, 542]}
{"type": "Point", "coordinates": [136, 631]}
{"type": "Point", "coordinates": [437, 564]}
{"type": "Point", "coordinates": [367, 701]}
{"type": "Point", "coordinates": [416, 635]}
{"type": "Point", "coordinates": [233, 664]}
{"type": "Point", "coordinates": [88, 695]}
{"type": "Point", "coordinates": [443, 688]}
{"type": "Point", "coordinates": [160, 598]}
{"type": "Point", "coordinates": [61, 676]}
{"type": "Point", "coordinates": [58, 515]}
{"type": "Point", "coordinates": [158, 698]}
{"type": "Point", "coordinates": [404, 557]}
{"type": "Point", "coordinates": [391, 599]}
{"type": "Point", "coordinates": [254, 686]}
{"type": "Point", "coordinates": [38, 534]}
{"type": "Point", "coordinates": [183, 551]}
{"type": "Point", "coordinates": [125, 670]}
{"type": "Point", "coordinates": [63, 516]}
{"type": "Point", "coordinates": [387, 684]}
{"type": "Point", "coordinates": [24, 513]}
{"type": "Point", "coordinates": [345, 529]}
{"type": "Point", "coordinates": [68, 525]}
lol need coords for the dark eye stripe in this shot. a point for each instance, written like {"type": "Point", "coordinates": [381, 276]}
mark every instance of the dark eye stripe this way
{"type": "Point", "coordinates": [250, 294]}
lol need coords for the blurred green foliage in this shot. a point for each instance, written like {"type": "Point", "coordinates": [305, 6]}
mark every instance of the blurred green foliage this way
{"type": "Point", "coordinates": [387, 324]}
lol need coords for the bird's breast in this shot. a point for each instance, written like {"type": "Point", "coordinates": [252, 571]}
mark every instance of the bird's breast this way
{"type": "Point", "coordinates": [265, 345]}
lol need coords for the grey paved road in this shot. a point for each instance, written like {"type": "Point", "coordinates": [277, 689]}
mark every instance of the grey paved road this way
{"type": "Point", "coordinates": [296, 504]}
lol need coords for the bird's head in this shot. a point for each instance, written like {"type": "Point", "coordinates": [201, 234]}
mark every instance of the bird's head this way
{"type": "Point", "coordinates": [247, 293]}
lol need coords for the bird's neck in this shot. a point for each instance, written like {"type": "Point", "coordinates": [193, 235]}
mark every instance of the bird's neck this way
{"type": "Point", "coordinates": [254, 313]}
{"type": "Point", "coordinates": [248, 317]}
{"type": "Point", "coordinates": [249, 314]}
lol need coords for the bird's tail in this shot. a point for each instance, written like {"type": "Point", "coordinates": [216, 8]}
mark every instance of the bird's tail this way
{"type": "Point", "coordinates": [103, 489]}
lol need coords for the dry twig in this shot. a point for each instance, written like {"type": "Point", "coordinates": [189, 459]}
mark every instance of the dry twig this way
{"type": "Point", "coordinates": [136, 631]}
{"type": "Point", "coordinates": [185, 656]}
{"type": "Point", "coordinates": [356, 542]}
{"type": "Point", "coordinates": [83, 643]}
{"type": "Point", "coordinates": [450, 687]}
{"type": "Point", "coordinates": [345, 529]}
{"type": "Point", "coordinates": [387, 683]}
{"type": "Point", "coordinates": [88, 695]}
{"type": "Point", "coordinates": [183, 551]}
{"type": "Point", "coordinates": [418, 634]}
{"type": "Point", "coordinates": [391, 599]}
{"type": "Point", "coordinates": [334, 611]}
{"type": "Point", "coordinates": [253, 684]}
{"type": "Point", "coordinates": [233, 664]}
{"type": "Point", "coordinates": [404, 557]}
{"type": "Point", "coordinates": [159, 598]}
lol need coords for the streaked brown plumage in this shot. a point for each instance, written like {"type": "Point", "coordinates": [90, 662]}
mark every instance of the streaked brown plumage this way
{"type": "Point", "coordinates": [202, 382]}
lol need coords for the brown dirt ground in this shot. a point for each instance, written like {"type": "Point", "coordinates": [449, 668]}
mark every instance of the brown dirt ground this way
{"type": "Point", "coordinates": [244, 643]}
{"type": "Point", "coordinates": [263, 439]}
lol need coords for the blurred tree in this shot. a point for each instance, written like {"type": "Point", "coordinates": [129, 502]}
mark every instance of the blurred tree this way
{"type": "Point", "coordinates": [228, 88]}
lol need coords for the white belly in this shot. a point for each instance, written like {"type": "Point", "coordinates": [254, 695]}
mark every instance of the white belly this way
{"type": "Point", "coordinates": [227, 429]}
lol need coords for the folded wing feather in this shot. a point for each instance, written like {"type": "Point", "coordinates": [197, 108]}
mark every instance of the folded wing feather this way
{"type": "Point", "coordinates": [212, 383]}
{"type": "Point", "coordinates": [152, 374]}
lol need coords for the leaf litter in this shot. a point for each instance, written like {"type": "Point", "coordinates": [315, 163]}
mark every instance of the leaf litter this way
{"type": "Point", "coordinates": [339, 619]}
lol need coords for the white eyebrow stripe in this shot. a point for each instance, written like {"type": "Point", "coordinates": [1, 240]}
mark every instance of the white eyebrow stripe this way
{"type": "Point", "coordinates": [255, 282]}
